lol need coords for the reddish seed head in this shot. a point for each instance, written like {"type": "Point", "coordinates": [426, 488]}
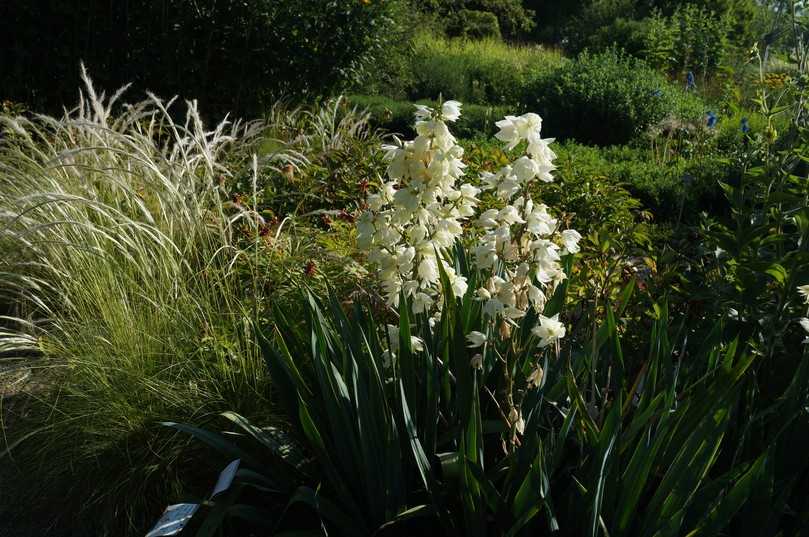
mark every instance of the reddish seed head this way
{"type": "Point", "coordinates": [289, 171]}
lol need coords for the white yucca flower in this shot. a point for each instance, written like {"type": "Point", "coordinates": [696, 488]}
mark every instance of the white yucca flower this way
{"type": "Point", "coordinates": [549, 330]}
{"type": "Point", "coordinates": [804, 322]}
{"type": "Point", "coordinates": [803, 290]}
{"type": "Point", "coordinates": [416, 218]}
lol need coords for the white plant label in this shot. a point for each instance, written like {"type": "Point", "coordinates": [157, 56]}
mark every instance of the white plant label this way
{"type": "Point", "coordinates": [226, 477]}
{"type": "Point", "coordinates": [174, 519]}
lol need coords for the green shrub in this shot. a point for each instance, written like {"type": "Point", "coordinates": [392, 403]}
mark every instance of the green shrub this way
{"type": "Point", "coordinates": [456, 16]}
{"type": "Point", "coordinates": [676, 189]}
{"type": "Point", "coordinates": [607, 98]}
{"type": "Point", "coordinates": [228, 54]}
{"type": "Point", "coordinates": [715, 27]}
{"type": "Point", "coordinates": [470, 23]}
{"type": "Point", "coordinates": [693, 39]}
{"type": "Point", "coordinates": [477, 72]}
{"type": "Point", "coordinates": [601, 24]}
{"type": "Point", "coordinates": [342, 159]}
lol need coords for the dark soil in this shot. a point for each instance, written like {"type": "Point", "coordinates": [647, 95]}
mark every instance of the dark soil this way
{"type": "Point", "coordinates": [19, 516]}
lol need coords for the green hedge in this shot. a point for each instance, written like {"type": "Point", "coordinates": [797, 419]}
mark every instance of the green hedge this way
{"type": "Point", "coordinates": [663, 188]}
{"type": "Point", "coordinates": [604, 99]}
{"type": "Point", "coordinates": [608, 98]}
{"type": "Point", "coordinates": [231, 55]}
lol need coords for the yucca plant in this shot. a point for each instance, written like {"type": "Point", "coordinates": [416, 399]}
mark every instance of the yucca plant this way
{"type": "Point", "coordinates": [421, 443]}
{"type": "Point", "coordinates": [470, 415]}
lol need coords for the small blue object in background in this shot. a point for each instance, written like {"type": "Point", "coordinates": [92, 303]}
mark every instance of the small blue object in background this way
{"type": "Point", "coordinates": [745, 125]}
{"type": "Point", "coordinates": [657, 93]}
{"type": "Point", "coordinates": [711, 120]}
{"type": "Point", "coordinates": [690, 81]}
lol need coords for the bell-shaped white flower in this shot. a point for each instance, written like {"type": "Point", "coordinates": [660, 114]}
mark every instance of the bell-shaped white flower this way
{"type": "Point", "coordinates": [423, 112]}
{"type": "Point", "coordinates": [545, 173]}
{"type": "Point", "coordinates": [525, 169]}
{"type": "Point", "coordinates": [482, 293]}
{"type": "Point", "coordinates": [804, 322]}
{"type": "Point", "coordinates": [493, 307]}
{"type": "Point", "coordinates": [488, 219]}
{"type": "Point", "coordinates": [540, 149]}
{"type": "Point", "coordinates": [485, 254]}
{"type": "Point", "coordinates": [509, 215]}
{"type": "Point", "coordinates": [570, 239]}
{"type": "Point", "coordinates": [536, 297]}
{"type": "Point", "coordinates": [508, 131]}
{"type": "Point", "coordinates": [469, 192]}
{"type": "Point", "coordinates": [549, 330]}
{"type": "Point", "coordinates": [803, 290]}
{"type": "Point", "coordinates": [422, 302]}
{"type": "Point", "coordinates": [475, 339]}
{"type": "Point", "coordinates": [451, 111]}
{"type": "Point", "coordinates": [489, 180]}
{"type": "Point", "coordinates": [539, 222]}
{"type": "Point", "coordinates": [428, 271]}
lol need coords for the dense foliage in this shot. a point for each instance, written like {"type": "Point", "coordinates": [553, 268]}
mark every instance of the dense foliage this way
{"type": "Point", "coordinates": [447, 326]}
{"type": "Point", "coordinates": [231, 55]}
{"type": "Point", "coordinates": [609, 98]}
{"type": "Point", "coordinates": [467, 421]}
{"type": "Point", "coordinates": [599, 24]}
{"type": "Point", "coordinates": [480, 18]}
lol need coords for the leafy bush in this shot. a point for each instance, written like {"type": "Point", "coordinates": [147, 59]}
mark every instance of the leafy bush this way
{"type": "Point", "coordinates": [604, 25]}
{"type": "Point", "coordinates": [746, 20]}
{"type": "Point", "coordinates": [456, 17]}
{"type": "Point", "coordinates": [608, 98]}
{"type": "Point", "coordinates": [342, 159]}
{"type": "Point", "coordinates": [469, 23]}
{"type": "Point", "coordinates": [229, 54]}
{"type": "Point", "coordinates": [674, 190]}
{"type": "Point", "coordinates": [477, 72]}
{"type": "Point", "coordinates": [757, 255]}
{"type": "Point", "coordinates": [692, 39]}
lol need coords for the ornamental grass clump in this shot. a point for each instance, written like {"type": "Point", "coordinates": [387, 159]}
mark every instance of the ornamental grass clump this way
{"type": "Point", "coordinates": [132, 296]}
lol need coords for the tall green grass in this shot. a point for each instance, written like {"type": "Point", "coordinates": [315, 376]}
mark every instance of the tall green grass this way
{"type": "Point", "coordinates": [135, 283]}
{"type": "Point", "coordinates": [477, 72]}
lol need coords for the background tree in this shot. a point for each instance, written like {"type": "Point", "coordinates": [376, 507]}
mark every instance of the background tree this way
{"type": "Point", "coordinates": [229, 54]}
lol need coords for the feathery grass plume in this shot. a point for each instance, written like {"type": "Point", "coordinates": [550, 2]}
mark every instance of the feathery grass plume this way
{"type": "Point", "coordinates": [128, 280]}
